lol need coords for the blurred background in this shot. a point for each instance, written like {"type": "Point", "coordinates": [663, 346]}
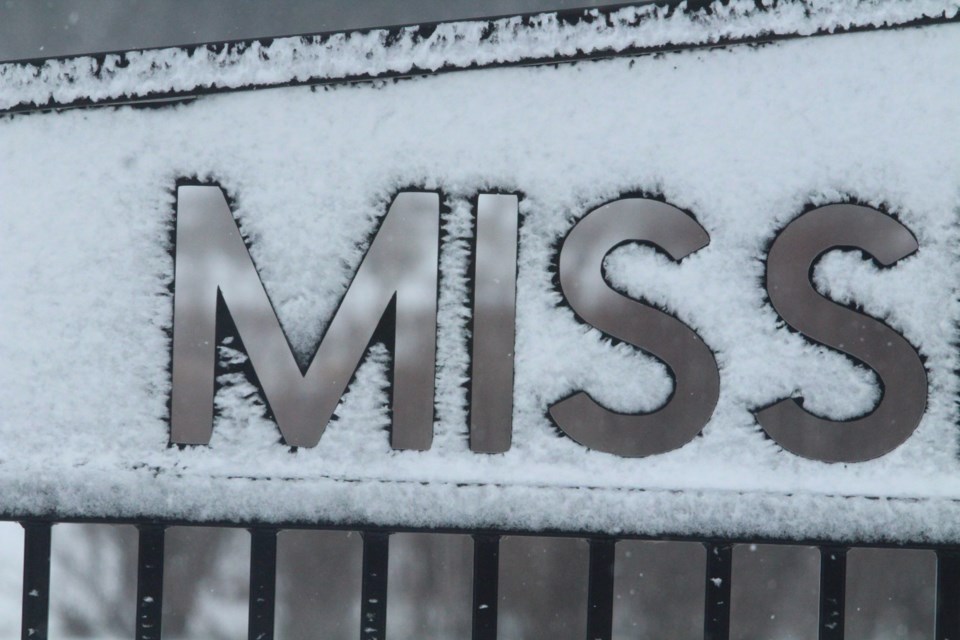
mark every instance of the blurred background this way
{"type": "Point", "coordinates": [659, 586]}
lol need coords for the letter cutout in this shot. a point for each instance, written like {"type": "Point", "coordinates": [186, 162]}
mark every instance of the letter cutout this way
{"type": "Point", "coordinates": [494, 313]}
{"type": "Point", "coordinates": [695, 373]}
{"type": "Point", "coordinates": [902, 376]}
{"type": "Point", "coordinates": [400, 266]}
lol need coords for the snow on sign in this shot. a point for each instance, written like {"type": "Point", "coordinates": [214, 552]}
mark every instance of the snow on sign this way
{"type": "Point", "coordinates": [650, 287]}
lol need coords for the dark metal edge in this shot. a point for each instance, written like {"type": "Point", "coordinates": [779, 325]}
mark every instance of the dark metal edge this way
{"type": "Point", "coordinates": [565, 16]}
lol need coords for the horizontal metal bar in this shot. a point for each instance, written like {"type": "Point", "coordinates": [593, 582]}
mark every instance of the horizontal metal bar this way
{"type": "Point", "coordinates": [552, 533]}
{"type": "Point", "coordinates": [563, 16]}
{"type": "Point", "coordinates": [570, 15]}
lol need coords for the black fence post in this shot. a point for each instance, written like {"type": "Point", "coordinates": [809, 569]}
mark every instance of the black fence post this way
{"type": "Point", "coordinates": [948, 594]}
{"type": "Point", "coordinates": [373, 607]}
{"type": "Point", "coordinates": [833, 591]}
{"type": "Point", "coordinates": [716, 618]}
{"type": "Point", "coordinates": [600, 589]}
{"type": "Point", "coordinates": [486, 584]}
{"type": "Point", "coordinates": [149, 582]}
{"type": "Point", "coordinates": [263, 583]}
{"type": "Point", "coordinates": [36, 580]}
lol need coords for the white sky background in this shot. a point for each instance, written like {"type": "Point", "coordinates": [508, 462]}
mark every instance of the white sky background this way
{"type": "Point", "coordinates": [49, 28]}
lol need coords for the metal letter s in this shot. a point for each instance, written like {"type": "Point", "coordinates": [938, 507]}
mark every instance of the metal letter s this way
{"type": "Point", "coordinates": [696, 377]}
{"type": "Point", "coordinates": [902, 376]}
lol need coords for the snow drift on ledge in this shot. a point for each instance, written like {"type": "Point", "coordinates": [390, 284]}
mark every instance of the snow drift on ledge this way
{"type": "Point", "coordinates": [453, 45]}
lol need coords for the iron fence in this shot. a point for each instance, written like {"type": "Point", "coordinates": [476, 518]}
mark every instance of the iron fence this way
{"type": "Point", "coordinates": [717, 578]}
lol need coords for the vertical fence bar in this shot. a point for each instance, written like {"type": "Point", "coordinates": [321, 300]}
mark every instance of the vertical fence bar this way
{"type": "Point", "coordinates": [36, 580]}
{"type": "Point", "coordinates": [948, 594]}
{"type": "Point", "coordinates": [263, 583]}
{"type": "Point", "coordinates": [486, 584]}
{"type": "Point", "coordinates": [600, 589]}
{"type": "Point", "coordinates": [716, 618]}
{"type": "Point", "coordinates": [833, 591]}
{"type": "Point", "coordinates": [373, 608]}
{"type": "Point", "coordinates": [149, 582]}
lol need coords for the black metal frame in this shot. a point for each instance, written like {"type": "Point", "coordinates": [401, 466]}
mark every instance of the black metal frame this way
{"type": "Point", "coordinates": [718, 573]}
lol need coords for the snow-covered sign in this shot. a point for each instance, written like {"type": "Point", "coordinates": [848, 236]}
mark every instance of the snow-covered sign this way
{"type": "Point", "coordinates": [585, 295]}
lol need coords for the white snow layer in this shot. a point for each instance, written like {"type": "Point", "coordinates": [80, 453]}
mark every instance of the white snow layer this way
{"type": "Point", "coordinates": [450, 46]}
{"type": "Point", "coordinates": [745, 138]}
